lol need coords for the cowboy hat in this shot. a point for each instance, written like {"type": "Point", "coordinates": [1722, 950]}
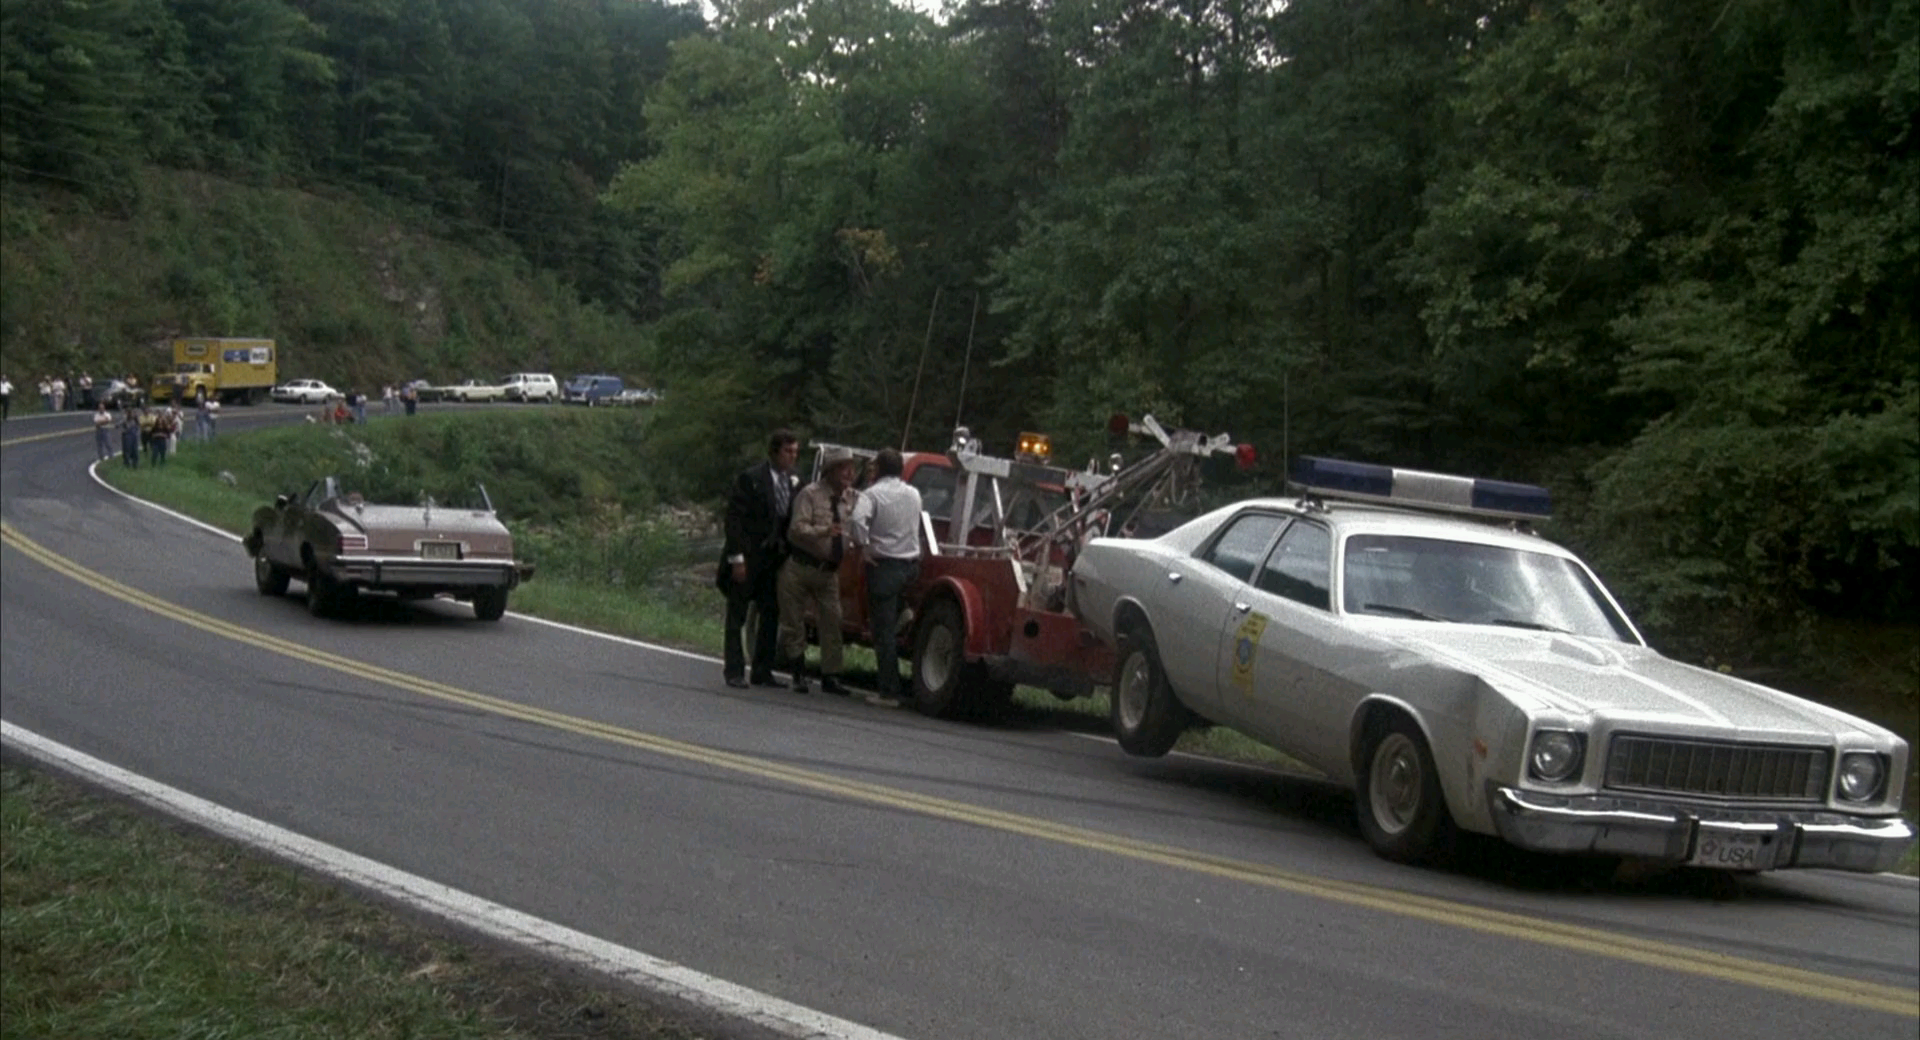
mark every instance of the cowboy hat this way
{"type": "Point", "coordinates": [834, 455]}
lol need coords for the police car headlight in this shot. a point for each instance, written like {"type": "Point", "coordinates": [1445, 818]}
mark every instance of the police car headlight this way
{"type": "Point", "coordinates": [1862, 774]}
{"type": "Point", "coordinates": [1555, 755]}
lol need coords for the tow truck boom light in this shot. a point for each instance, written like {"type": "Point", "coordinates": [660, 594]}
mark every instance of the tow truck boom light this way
{"type": "Point", "coordinates": [1335, 478]}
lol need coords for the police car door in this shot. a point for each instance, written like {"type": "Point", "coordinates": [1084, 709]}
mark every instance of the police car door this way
{"type": "Point", "coordinates": [1193, 608]}
{"type": "Point", "coordinates": [1276, 682]}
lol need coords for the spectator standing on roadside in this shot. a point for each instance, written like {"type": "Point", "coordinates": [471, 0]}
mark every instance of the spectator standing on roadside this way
{"type": "Point", "coordinates": [130, 437]}
{"type": "Point", "coordinates": [756, 544]}
{"type": "Point", "coordinates": [6, 399]}
{"type": "Point", "coordinates": [46, 394]}
{"type": "Point", "coordinates": [208, 411]}
{"type": "Point", "coordinates": [83, 391]}
{"type": "Point", "coordinates": [359, 402]}
{"type": "Point", "coordinates": [159, 430]}
{"type": "Point", "coordinates": [410, 398]}
{"type": "Point", "coordinates": [102, 432]}
{"type": "Point", "coordinates": [59, 394]}
{"type": "Point", "coordinates": [816, 536]}
{"type": "Point", "coordinates": [387, 398]}
{"type": "Point", "coordinates": [886, 520]}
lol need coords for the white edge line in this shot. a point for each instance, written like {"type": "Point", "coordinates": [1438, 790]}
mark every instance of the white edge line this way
{"type": "Point", "coordinates": [626, 965]}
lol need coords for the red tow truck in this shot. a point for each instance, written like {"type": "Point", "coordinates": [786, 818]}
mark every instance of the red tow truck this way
{"type": "Point", "coordinates": [998, 538]}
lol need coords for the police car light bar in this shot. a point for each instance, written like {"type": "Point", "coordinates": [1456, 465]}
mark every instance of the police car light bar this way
{"type": "Point", "coordinates": [1334, 478]}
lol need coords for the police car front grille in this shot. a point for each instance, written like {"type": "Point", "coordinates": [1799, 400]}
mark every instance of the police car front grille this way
{"type": "Point", "coordinates": [1715, 769]}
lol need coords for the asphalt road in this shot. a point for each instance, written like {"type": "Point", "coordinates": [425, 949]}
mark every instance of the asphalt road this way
{"type": "Point", "coordinates": [928, 879]}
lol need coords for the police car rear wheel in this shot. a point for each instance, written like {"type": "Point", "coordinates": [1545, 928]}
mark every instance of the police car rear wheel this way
{"type": "Point", "coordinates": [1147, 718]}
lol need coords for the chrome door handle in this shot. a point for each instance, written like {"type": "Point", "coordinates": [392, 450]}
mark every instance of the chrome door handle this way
{"type": "Point", "coordinates": [1243, 607]}
{"type": "Point", "coordinates": [1174, 576]}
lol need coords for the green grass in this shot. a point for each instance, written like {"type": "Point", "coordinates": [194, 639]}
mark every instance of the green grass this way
{"type": "Point", "coordinates": [116, 925]}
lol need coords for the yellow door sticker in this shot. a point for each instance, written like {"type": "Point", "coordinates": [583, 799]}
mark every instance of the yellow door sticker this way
{"type": "Point", "coordinates": [1246, 650]}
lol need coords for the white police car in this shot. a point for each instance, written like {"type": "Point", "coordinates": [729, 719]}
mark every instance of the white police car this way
{"type": "Point", "coordinates": [1407, 634]}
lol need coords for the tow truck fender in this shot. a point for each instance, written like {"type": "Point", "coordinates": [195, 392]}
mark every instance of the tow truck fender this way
{"type": "Point", "coordinates": [973, 610]}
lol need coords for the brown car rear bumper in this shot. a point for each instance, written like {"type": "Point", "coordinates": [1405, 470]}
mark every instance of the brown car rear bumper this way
{"type": "Point", "coordinates": [400, 574]}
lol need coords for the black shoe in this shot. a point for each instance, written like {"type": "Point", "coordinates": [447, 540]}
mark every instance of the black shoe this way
{"type": "Point", "coordinates": [765, 680]}
{"type": "Point", "coordinates": [829, 684]}
{"type": "Point", "coordinates": [800, 684]}
{"type": "Point", "coordinates": [736, 682]}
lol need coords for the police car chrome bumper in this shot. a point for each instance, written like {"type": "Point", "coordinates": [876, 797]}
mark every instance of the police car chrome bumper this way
{"type": "Point", "coordinates": [1739, 839]}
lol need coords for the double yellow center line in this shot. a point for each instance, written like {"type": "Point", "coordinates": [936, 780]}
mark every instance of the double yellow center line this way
{"type": "Point", "coordinates": [1598, 942]}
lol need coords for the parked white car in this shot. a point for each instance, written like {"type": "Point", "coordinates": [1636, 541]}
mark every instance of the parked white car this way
{"type": "Point", "coordinates": [530, 386]}
{"type": "Point", "coordinates": [1406, 634]}
{"type": "Point", "coordinates": [473, 390]}
{"type": "Point", "coordinates": [304, 391]}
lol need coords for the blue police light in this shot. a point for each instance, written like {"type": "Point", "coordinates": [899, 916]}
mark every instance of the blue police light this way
{"type": "Point", "coordinates": [1335, 478]}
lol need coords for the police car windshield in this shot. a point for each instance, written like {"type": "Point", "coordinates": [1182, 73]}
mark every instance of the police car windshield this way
{"type": "Point", "coordinates": [1435, 579]}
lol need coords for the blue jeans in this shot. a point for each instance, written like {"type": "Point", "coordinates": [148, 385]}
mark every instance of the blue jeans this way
{"type": "Point", "coordinates": [887, 584]}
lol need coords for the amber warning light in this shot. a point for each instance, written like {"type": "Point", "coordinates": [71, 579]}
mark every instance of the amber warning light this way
{"type": "Point", "coordinates": [1035, 447]}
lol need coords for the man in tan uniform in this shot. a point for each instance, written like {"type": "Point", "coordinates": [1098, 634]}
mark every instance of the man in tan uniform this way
{"type": "Point", "coordinates": [811, 575]}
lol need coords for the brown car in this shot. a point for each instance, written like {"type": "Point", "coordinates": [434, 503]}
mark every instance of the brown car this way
{"type": "Point", "coordinates": [338, 544]}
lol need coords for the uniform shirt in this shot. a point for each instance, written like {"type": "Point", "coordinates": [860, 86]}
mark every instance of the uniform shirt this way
{"type": "Point", "coordinates": [814, 515]}
{"type": "Point", "coordinates": [886, 520]}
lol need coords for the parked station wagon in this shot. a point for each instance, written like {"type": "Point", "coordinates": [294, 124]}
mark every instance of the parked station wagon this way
{"type": "Point", "coordinates": [1406, 634]}
{"type": "Point", "coordinates": [339, 544]}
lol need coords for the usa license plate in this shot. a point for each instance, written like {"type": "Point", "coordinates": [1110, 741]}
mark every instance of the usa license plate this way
{"type": "Point", "coordinates": [1732, 851]}
{"type": "Point", "coordinates": [440, 550]}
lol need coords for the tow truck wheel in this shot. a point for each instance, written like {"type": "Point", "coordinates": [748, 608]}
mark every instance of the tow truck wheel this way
{"type": "Point", "coordinates": [940, 660]}
{"type": "Point", "coordinates": [1403, 814]}
{"type": "Point", "coordinates": [270, 578]}
{"type": "Point", "coordinates": [1147, 717]}
{"type": "Point", "coordinates": [490, 604]}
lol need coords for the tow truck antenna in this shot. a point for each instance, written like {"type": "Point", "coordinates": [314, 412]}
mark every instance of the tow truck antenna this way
{"type": "Point", "coordinates": [925, 345]}
{"type": "Point", "coordinates": [966, 362]}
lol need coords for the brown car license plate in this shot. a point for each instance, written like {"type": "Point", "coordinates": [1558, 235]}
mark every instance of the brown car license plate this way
{"type": "Point", "coordinates": [440, 550]}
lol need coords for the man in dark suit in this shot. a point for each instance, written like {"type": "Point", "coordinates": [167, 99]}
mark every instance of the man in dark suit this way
{"type": "Point", "coordinates": [756, 546]}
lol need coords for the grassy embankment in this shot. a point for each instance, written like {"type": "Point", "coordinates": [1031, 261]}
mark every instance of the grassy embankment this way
{"type": "Point", "coordinates": [357, 293]}
{"type": "Point", "coordinates": [117, 926]}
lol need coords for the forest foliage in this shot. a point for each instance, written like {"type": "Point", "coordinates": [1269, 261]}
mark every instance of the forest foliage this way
{"type": "Point", "coordinates": [1660, 256]}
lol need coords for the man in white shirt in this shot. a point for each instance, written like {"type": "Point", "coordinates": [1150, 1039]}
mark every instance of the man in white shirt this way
{"type": "Point", "coordinates": [886, 520]}
{"type": "Point", "coordinates": [102, 432]}
{"type": "Point", "coordinates": [6, 399]}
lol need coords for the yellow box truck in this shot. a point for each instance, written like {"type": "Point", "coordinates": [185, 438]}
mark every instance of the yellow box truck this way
{"type": "Point", "coordinates": [232, 371]}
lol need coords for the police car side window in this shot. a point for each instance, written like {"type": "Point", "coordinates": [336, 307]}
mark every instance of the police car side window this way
{"type": "Point", "coordinates": [1238, 549]}
{"type": "Point", "coordinates": [1300, 565]}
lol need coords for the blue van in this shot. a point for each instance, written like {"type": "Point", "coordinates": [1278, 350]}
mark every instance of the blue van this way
{"type": "Point", "coordinates": [590, 390]}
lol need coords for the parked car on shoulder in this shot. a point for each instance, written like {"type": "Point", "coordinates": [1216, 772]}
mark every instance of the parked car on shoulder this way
{"type": "Point", "coordinates": [632, 396]}
{"type": "Point", "coordinates": [591, 389]}
{"type": "Point", "coordinates": [1409, 636]}
{"type": "Point", "coordinates": [472, 390]}
{"type": "Point", "coordinates": [339, 545]}
{"type": "Point", "coordinates": [304, 391]}
{"type": "Point", "coordinates": [530, 386]}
